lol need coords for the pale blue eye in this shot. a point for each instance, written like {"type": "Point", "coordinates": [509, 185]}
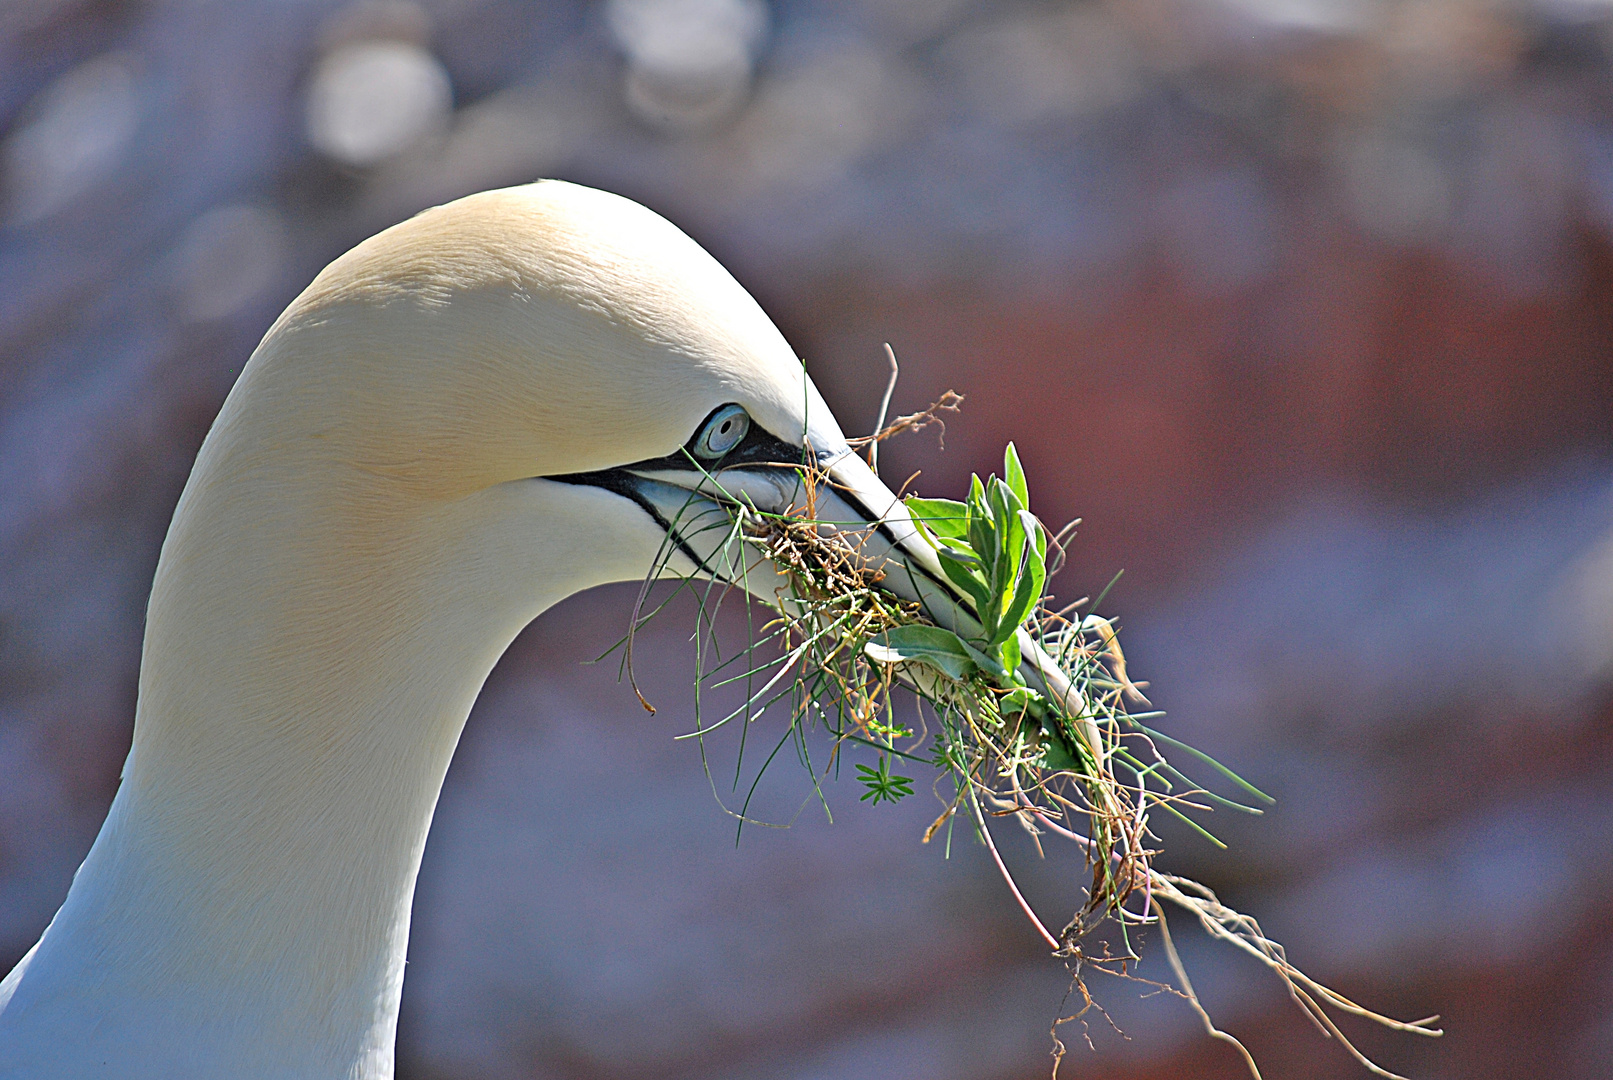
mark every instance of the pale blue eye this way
{"type": "Point", "coordinates": [722, 432]}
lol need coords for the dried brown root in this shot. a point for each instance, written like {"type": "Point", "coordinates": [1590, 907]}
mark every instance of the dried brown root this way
{"type": "Point", "coordinates": [916, 421]}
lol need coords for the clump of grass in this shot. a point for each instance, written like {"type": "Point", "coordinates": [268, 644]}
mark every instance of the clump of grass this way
{"type": "Point", "coordinates": [1029, 720]}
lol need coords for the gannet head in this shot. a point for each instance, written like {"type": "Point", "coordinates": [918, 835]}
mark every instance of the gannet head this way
{"type": "Point", "coordinates": [554, 334]}
{"type": "Point", "coordinates": [542, 330]}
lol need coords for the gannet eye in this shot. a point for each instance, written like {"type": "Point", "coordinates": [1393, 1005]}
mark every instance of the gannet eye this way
{"type": "Point", "coordinates": [722, 432]}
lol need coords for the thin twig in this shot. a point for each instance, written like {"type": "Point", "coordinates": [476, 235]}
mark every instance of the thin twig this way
{"type": "Point", "coordinates": [1030, 913]}
{"type": "Point", "coordinates": [884, 410]}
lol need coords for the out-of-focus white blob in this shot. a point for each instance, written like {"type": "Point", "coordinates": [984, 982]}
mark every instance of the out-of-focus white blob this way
{"type": "Point", "coordinates": [1033, 67]}
{"type": "Point", "coordinates": [819, 115]}
{"type": "Point", "coordinates": [1393, 187]}
{"type": "Point", "coordinates": [1343, 17]}
{"type": "Point", "coordinates": [226, 258]}
{"type": "Point", "coordinates": [689, 62]}
{"type": "Point", "coordinates": [76, 133]}
{"type": "Point", "coordinates": [370, 100]}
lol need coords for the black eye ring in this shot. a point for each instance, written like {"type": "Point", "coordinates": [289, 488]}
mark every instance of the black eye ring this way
{"type": "Point", "coordinates": [722, 432]}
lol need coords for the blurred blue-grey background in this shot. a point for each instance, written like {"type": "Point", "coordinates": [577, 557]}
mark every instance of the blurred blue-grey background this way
{"type": "Point", "coordinates": [1305, 306]}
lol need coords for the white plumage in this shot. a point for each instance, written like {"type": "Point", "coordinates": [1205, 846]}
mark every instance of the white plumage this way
{"type": "Point", "coordinates": [372, 519]}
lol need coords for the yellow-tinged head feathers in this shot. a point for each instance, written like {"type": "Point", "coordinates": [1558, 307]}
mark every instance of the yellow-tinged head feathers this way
{"type": "Point", "coordinates": [530, 331]}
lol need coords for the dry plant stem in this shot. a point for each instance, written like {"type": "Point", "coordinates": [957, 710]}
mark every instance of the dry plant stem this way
{"type": "Point", "coordinates": [1225, 924]}
{"type": "Point", "coordinates": [1219, 921]}
{"type": "Point", "coordinates": [884, 409]}
{"type": "Point", "coordinates": [634, 623]}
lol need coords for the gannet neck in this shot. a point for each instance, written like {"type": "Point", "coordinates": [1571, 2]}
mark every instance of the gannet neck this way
{"type": "Point", "coordinates": [316, 636]}
{"type": "Point", "coordinates": [365, 530]}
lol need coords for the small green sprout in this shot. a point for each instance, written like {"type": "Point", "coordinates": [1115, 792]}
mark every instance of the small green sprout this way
{"type": "Point", "coordinates": [889, 733]}
{"type": "Point", "coordinates": [995, 550]}
{"type": "Point", "coordinates": [882, 786]}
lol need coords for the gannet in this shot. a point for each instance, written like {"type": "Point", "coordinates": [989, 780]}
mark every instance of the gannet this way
{"type": "Point", "coordinates": [468, 417]}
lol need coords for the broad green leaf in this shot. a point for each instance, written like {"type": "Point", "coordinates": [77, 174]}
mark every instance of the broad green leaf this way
{"type": "Point", "coordinates": [929, 537]}
{"type": "Point", "coordinates": [1028, 592]}
{"type": "Point", "coordinates": [1020, 699]}
{"type": "Point", "coordinates": [1055, 756]}
{"type": "Point", "coordinates": [1012, 531]}
{"type": "Point", "coordinates": [1023, 602]}
{"type": "Point", "coordinates": [1060, 748]}
{"type": "Point", "coordinates": [938, 647]}
{"type": "Point", "coordinates": [1001, 559]}
{"type": "Point", "coordinates": [966, 579]}
{"type": "Point", "coordinates": [943, 517]}
{"type": "Point", "coordinates": [1015, 475]}
{"type": "Point", "coordinates": [1033, 574]}
{"type": "Point", "coordinates": [1010, 497]}
{"type": "Point", "coordinates": [961, 555]}
{"type": "Point", "coordinates": [1008, 542]}
{"type": "Point", "coordinates": [1033, 528]}
{"type": "Point", "coordinates": [993, 666]}
{"type": "Point", "coordinates": [941, 649]}
{"type": "Point", "coordinates": [982, 538]}
{"type": "Point", "coordinates": [1010, 651]}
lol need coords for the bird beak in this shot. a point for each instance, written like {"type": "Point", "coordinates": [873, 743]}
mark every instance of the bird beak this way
{"type": "Point", "coordinates": [704, 515]}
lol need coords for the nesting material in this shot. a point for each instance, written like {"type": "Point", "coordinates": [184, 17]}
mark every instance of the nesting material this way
{"type": "Point", "coordinates": [1029, 720]}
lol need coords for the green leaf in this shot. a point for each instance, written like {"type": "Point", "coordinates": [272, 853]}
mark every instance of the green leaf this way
{"type": "Point", "coordinates": [943, 517]}
{"type": "Point", "coordinates": [1009, 651]}
{"type": "Point", "coordinates": [1015, 475]}
{"type": "Point", "coordinates": [1038, 535]}
{"type": "Point", "coordinates": [1021, 699]}
{"type": "Point", "coordinates": [1009, 534]}
{"type": "Point", "coordinates": [968, 580]}
{"type": "Point", "coordinates": [1057, 753]}
{"type": "Point", "coordinates": [962, 556]}
{"type": "Point", "coordinates": [1021, 604]}
{"type": "Point", "coordinates": [882, 786]}
{"type": "Point", "coordinates": [1033, 573]}
{"type": "Point", "coordinates": [989, 543]}
{"type": "Point", "coordinates": [983, 540]}
{"type": "Point", "coordinates": [941, 649]}
{"type": "Point", "coordinates": [1012, 508]}
{"type": "Point", "coordinates": [1056, 757]}
{"type": "Point", "coordinates": [1011, 537]}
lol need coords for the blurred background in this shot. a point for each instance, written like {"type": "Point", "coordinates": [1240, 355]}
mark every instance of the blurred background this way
{"type": "Point", "coordinates": [1305, 306]}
